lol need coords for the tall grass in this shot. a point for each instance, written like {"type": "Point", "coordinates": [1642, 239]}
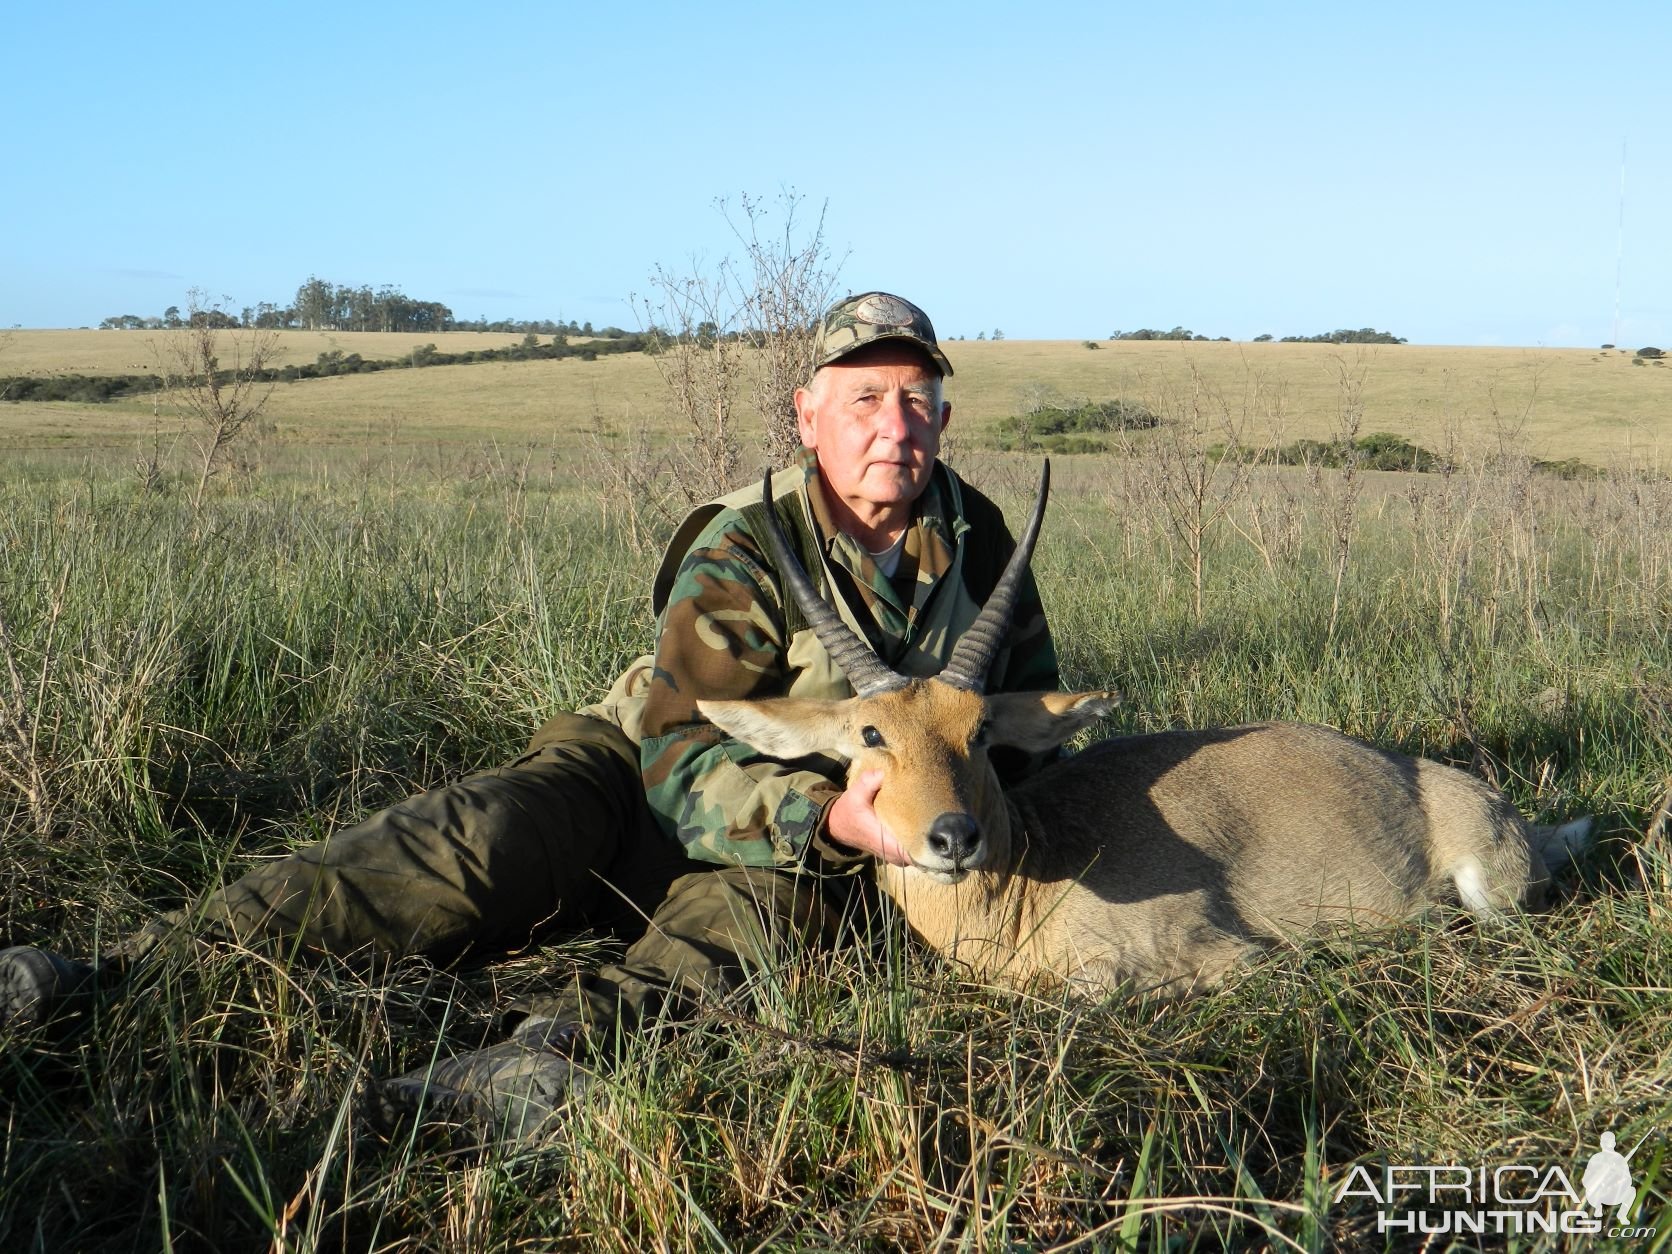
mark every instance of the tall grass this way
{"type": "Point", "coordinates": [182, 695]}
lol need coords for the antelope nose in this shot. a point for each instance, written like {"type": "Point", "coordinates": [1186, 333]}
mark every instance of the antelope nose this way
{"type": "Point", "coordinates": [955, 837]}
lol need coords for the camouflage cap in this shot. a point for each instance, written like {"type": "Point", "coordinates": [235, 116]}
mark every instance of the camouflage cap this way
{"type": "Point", "coordinates": [856, 322]}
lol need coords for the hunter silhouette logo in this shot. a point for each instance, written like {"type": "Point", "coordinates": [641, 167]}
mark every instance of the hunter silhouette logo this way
{"type": "Point", "coordinates": [1607, 1179]}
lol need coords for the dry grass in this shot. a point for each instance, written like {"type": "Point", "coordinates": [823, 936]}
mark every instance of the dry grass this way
{"type": "Point", "coordinates": [1574, 402]}
{"type": "Point", "coordinates": [1582, 403]}
{"type": "Point", "coordinates": [181, 705]}
{"type": "Point", "coordinates": [129, 352]}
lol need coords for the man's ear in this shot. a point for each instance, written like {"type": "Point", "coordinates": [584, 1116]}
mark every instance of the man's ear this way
{"type": "Point", "coordinates": [1037, 721]}
{"type": "Point", "coordinates": [783, 727]}
{"type": "Point", "coordinates": [806, 415]}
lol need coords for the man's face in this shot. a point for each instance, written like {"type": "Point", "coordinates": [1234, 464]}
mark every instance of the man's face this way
{"type": "Point", "coordinates": [875, 419]}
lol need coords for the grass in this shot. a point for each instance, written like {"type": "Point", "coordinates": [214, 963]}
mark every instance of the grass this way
{"type": "Point", "coordinates": [1589, 404]}
{"type": "Point", "coordinates": [344, 625]}
{"type": "Point", "coordinates": [130, 352]}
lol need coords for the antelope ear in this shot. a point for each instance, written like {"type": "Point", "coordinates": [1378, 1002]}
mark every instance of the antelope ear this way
{"type": "Point", "coordinates": [1036, 721]}
{"type": "Point", "coordinates": [783, 727]}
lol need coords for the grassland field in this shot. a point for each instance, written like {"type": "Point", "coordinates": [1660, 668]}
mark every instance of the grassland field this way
{"type": "Point", "coordinates": [1594, 405]}
{"type": "Point", "coordinates": [353, 616]}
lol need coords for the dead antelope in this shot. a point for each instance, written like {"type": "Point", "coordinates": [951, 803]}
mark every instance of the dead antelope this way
{"type": "Point", "coordinates": [1145, 862]}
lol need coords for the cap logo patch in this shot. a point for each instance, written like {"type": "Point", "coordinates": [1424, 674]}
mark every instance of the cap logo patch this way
{"type": "Point", "coordinates": [883, 310]}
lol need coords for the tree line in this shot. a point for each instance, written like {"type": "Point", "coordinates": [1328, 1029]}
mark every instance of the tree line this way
{"type": "Point", "coordinates": [323, 306]}
{"type": "Point", "coordinates": [1364, 335]}
{"type": "Point", "coordinates": [99, 388]}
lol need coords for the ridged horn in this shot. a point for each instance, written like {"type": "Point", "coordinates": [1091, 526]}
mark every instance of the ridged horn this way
{"type": "Point", "coordinates": [852, 655]}
{"type": "Point", "coordinates": [977, 647]}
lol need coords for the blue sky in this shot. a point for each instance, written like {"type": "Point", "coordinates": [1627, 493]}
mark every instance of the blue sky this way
{"type": "Point", "coordinates": [1450, 173]}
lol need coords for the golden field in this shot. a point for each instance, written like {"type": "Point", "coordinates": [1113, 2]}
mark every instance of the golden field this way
{"type": "Point", "coordinates": [1598, 406]}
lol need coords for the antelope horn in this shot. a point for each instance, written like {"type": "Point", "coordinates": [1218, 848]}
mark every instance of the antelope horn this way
{"type": "Point", "coordinates": [976, 649]}
{"type": "Point", "coordinates": [853, 656]}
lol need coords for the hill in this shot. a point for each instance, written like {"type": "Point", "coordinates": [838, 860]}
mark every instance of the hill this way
{"type": "Point", "coordinates": [1583, 403]}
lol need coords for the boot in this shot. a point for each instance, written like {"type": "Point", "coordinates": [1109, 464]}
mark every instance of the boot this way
{"type": "Point", "coordinates": [511, 1093]}
{"type": "Point", "coordinates": [37, 985]}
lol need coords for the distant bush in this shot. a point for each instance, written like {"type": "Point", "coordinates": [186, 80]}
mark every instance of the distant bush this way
{"type": "Point", "coordinates": [333, 362]}
{"type": "Point", "coordinates": [78, 387]}
{"type": "Point", "coordinates": [1076, 425]}
{"type": "Point", "coordinates": [1380, 450]}
{"type": "Point", "coordinates": [1092, 344]}
{"type": "Point", "coordinates": [99, 388]}
{"type": "Point", "coordinates": [1069, 444]}
{"type": "Point", "coordinates": [1568, 468]}
{"type": "Point", "coordinates": [1650, 352]}
{"type": "Point", "coordinates": [1263, 339]}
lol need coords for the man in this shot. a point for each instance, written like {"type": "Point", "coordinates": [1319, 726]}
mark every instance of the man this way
{"type": "Point", "coordinates": [636, 808]}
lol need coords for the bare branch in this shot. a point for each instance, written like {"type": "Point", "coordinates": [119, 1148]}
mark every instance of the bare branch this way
{"type": "Point", "coordinates": [216, 403]}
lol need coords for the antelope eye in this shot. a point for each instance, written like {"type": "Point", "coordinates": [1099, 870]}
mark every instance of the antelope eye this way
{"type": "Point", "coordinates": [871, 736]}
{"type": "Point", "coordinates": [983, 732]}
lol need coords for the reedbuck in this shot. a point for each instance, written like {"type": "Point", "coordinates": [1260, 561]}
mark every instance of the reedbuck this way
{"type": "Point", "coordinates": [1151, 862]}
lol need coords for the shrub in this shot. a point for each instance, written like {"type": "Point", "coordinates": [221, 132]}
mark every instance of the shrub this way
{"type": "Point", "coordinates": [77, 387]}
{"type": "Point", "coordinates": [1072, 444]}
{"type": "Point", "coordinates": [1076, 426]}
{"type": "Point", "coordinates": [1567, 468]}
{"type": "Point", "coordinates": [1380, 450]}
{"type": "Point", "coordinates": [1650, 352]}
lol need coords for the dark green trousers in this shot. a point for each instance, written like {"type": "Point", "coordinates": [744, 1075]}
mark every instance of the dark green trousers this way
{"type": "Point", "coordinates": [558, 839]}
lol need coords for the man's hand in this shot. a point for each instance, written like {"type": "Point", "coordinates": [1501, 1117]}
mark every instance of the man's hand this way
{"type": "Point", "coordinates": [853, 821]}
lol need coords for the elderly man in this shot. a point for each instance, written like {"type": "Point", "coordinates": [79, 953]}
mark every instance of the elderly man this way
{"type": "Point", "coordinates": [637, 808]}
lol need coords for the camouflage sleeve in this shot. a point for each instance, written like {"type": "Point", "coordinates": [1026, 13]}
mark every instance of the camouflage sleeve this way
{"type": "Point", "coordinates": [722, 637]}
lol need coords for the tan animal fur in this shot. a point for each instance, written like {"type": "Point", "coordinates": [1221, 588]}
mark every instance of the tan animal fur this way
{"type": "Point", "coordinates": [1145, 862]}
{"type": "Point", "coordinates": [1157, 861]}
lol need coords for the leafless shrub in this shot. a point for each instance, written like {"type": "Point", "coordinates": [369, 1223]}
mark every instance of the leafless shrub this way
{"type": "Point", "coordinates": [1518, 572]}
{"type": "Point", "coordinates": [1632, 542]}
{"type": "Point", "coordinates": [699, 354]}
{"type": "Point", "coordinates": [150, 462]}
{"type": "Point", "coordinates": [1195, 466]}
{"type": "Point", "coordinates": [1274, 522]}
{"type": "Point", "coordinates": [790, 283]}
{"type": "Point", "coordinates": [216, 402]}
{"type": "Point", "coordinates": [1338, 491]}
{"type": "Point", "coordinates": [734, 342]}
{"type": "Point", "coordinates": [1444, 507]}
{"type": "Point", "coordinates": [638, 493]}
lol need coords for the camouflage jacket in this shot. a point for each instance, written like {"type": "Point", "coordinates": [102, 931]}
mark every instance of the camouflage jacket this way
{"type": "Point", "coordinates": [727, 629]}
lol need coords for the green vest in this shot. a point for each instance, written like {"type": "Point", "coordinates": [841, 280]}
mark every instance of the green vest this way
{"type": "Point", "coordinates": [980, 546]}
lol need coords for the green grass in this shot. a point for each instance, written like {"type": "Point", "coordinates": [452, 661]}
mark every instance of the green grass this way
{"type": "Point", "coordinates": [342, 627]}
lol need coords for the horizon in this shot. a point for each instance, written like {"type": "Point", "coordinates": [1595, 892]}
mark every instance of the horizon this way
{"type": "Point", "coordinates": [1452, 178]}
